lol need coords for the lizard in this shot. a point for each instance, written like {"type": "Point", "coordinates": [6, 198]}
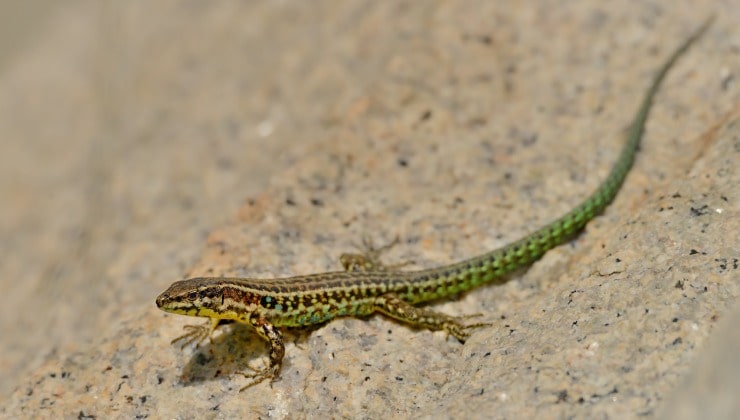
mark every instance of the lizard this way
{"type": "Point", "coordinates": [366, 286]}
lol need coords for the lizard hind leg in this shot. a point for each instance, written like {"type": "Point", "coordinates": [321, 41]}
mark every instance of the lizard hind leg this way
{"type": "Point", "coordinates": [369, 258]}
{"type": "Point", "coordinates": [395, 307]}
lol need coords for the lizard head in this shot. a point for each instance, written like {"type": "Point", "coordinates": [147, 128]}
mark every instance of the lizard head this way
{"type": "Point", "coordinates": [205, 297]}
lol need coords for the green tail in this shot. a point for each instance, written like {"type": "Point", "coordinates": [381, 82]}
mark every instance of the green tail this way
{"type": "Point", "coordinates": [491, 266]}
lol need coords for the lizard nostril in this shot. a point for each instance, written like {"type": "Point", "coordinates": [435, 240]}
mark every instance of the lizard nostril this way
{"type": "Point", "coordinates": [161, 299]}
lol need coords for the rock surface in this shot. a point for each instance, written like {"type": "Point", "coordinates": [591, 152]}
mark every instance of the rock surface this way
{"type": "Point", "coordinates": [146, 142]}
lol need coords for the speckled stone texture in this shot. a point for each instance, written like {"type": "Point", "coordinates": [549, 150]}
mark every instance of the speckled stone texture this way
{"type": "Point", "coordinates": [145, 142]}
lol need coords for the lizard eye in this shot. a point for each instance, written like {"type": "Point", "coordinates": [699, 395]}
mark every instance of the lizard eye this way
{"type": "Point", "coordinates": [192, 295]}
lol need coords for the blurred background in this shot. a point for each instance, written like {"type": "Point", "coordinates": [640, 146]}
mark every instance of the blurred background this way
{"type": "Point", "coordinates": [102, 187]}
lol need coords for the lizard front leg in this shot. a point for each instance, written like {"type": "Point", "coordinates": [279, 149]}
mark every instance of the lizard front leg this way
{"type": "Point", "coordinates": [272, 335]}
